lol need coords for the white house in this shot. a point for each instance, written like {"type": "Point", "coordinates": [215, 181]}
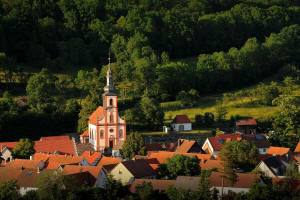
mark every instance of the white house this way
{"type": "Point", "coordinates": [181, 123]}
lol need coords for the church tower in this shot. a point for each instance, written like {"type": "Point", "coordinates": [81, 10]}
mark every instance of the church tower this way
{"type": "Point", "coordinates": [106, 128]}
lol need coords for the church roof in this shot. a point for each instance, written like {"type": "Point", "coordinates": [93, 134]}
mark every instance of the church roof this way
{"type": "Point", "coordinates": [97, 114]}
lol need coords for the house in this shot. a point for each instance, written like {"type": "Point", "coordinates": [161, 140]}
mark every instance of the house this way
{"type": "Point", "coordinates": [25, 164]}
{"type": "Point", "coordinates": [84, 137]}
{"type": "Point", "coordinates": [260, 141]}
{"type": "Point", "coordinates": [158, 185]}
{"type": "Point", "coordinates": [271, 167]}
{"type": "Point", "coordinates": [280, 151]}
{"type": "Point", "coordinates": [181, 123]}
{"type": "Point", "coordinates": [213, 145]}
{"type": "Point", "coordinates": [105, 127]}
{"type": "Point", "coordinates": [9, 174]}
{"type": "Point", "coordinates": [92, 157]}
{"type": "Point", "coordinates": [217, 181]}
{"type": "Point", "coordinates": [97, 174]}
{"type": "Point", "coordinates": [246, 126]}
{"type": "Point", "coordinates": [212, 164]}
{"type": "Point", "coordinates": [6, 150]}
{"type": "Point", "coordinates": [188, 146]}
{"type": "Point", "coordinates": [116, 151]}
{"type": "Point", "coordinates": [127, 171]}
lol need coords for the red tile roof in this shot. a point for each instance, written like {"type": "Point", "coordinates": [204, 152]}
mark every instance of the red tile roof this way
{"type": "Point", "coordinates": [243, 180]}
{"type": "Point", "coordinates": [108, 161]}
{"type": "Point", "coordinates": [186, 146]}
{"type": "Point", "coordinates": [9, 145]}
{"type": "Point", "coordinates": [180, 119]}
{"type": "Point", "coordinates": [64, 137]}
{"type": "Point", "coordinates": [64, 146]}
{"type": "Point", "coordinates": [91, 156]}
{"type": "Point", "coordinates": [138, 168]}
{"type": "Point", "coordinates": [260, 140]}
{"type": "Point", "coordinates": [97, 114]}
{"type": "Point", "coordinates": [211, 164]}
{"type": "Point", "coordinates": [73, 169]}
{"type": "Point", "coordinates": [40, 156]}
{"type": "Point", "coordinates": [153, 147]}
{"type": "Point", "coordinates": [293, 183]}
{"type": "Point", "coordinates": [18, 163]}
{"type": "Point", "coordinates": [160, 185]}
{"type": "Point", "coordinates": [246, 122]}
{"type": "Point", "coordinates": [54, 161]}
{"type": "Point", "coordinates": [278, 150]}
{"type": "Point", "coordinates": [9, 174]}
{"type": "Point", "coordinates": [85, 134]}
{"type": "Point", "coordinates": [297, 149]}
{"type": "Point", "coordinates": [218, 141]}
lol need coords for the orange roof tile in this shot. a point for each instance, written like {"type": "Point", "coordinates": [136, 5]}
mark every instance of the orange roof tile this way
{"type": "Point", "coordinates": [54, 161]}
{"type": "Point", "coordinates": [18, 163]}
{"type": "Point", "coordinates": [108, 161]}
{"type": "Point", "coordinates": [73, 169]}
{"type": "Point", "coordinates": [185, 146]}
{"type": "Point", "coordinates": [278, 150]}
{"type": "Point", "coordinates": [246, 122]}
{"type": "Point", "coordinates": [62, 137]}
{"type": "Point", "coordinates": [40, 156]}
{"type": "Point", "coordinates": [91, 156]}
{"type": "Point", "coordinates": [64, 146]}
{"type": "Point", "coordinates": [210, 164]}
{"type": "Point", "coordinates": [160, 185]}
{"type": "Point", "coordinates": [9, 174]}
{"type": "Point", "coordinates": [85, 134]}
{"type": "Point", "coordinates": [297, 149]}
{"type": "Point", "coordinates": [9, 145]}
{"type": "Point", "coordinates": [97, 114]}
{"type": "Point", "coordinates": [180, 119]}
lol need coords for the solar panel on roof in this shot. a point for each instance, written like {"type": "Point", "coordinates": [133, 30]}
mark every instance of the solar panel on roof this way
{"type": "Point", "coordinates": [221, 141]}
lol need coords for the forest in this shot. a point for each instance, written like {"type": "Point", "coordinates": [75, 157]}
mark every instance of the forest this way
{"type": "Point", "coordinates": [233, 44]}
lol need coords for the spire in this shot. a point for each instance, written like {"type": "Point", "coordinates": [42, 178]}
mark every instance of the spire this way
{"type": "Point", "coordinates": [109, 79]}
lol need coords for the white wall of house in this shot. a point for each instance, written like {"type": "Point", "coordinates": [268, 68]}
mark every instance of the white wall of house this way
{"type": "Point", "coordinates": [233, 189]}
{"type": "Point", "coordinates": [24, 190]}
{"type": "Point", "coordinates": [264, 168]}
{"type": "Point", "coordinates": [187, 126]}
{"type": "Point", "coordinates": [6, 154]}
{"type": "Point", "coordinates": [262, 150]}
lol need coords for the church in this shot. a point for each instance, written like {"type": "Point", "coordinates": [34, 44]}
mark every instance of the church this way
{"type": "Point", "coordinates": [105, 127]}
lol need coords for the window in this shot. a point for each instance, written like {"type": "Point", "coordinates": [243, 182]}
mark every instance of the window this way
{"type": "Point", "coordinates": [101, 134]}
{"type": "Point", "coordinates": [111, 130]}
{"type": "Point", "coordinates": [111, 102]}
{"type": "Point", "coordinates": [111, 118]}
{"type": "Point", "coordinates": [264, 150]}
{"type": "Point", "coordinates": [121, 133]}
{"type": "Point", "coordinates": [120, 171]}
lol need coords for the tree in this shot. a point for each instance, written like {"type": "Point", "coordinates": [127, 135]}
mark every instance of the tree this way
{"type": "Point", "coordinates": [266, 93]}
{"type": "Point", "coordinates": [208, 119]}
{"type": "Point", "coordinates": [239, 154]}
{"type": "Point", "coordinates": [145, 191]}
{"type": "Point", "coordinates": [153, 115]}
{"type": "Point", "coordinates": [133, 145]}
{"type": "Point", "coordinates": [24, 149]}
{"type": "Point", "coordinates": [199, 120]}
{"type": "Point", "coordinates": [9, 191]}
{"type": "Point", "coordinates": [221, 111]}
{"type": "Point", "coordinates": [188, 98]}
{"type": "Point", "coordinates": [180, 165]}
{"type": "Point", "coordinates": [178, 194]}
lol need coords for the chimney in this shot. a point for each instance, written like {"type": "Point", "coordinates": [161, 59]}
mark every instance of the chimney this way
{"type": "Point", "coordinates": [31, 157]}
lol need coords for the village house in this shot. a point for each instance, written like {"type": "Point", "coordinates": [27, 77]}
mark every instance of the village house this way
{"type": "Point", "coordinates": [92, 157]}
{"type": "Point", "coordinates": [218, 182]}
{"type": "Point", "coordinates": [181, 123]}
{"type": "Point", "coordinates": [188, 146]}
{"type": "Point", "coordinates": [158, 185]}
{"type": "Point", "coordinates": [26, 164]}
{"type": "Point", "coordinates": [108, 163]}
{"type": "Point", "coordinates": [127, 171]}
{"type": "Point", "coordinates": [271, 167]}
{"type": "Point", "coordinates": [246, 126]}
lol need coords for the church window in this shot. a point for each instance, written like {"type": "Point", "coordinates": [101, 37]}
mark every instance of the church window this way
{"type": "Point", "coordinates": [111, 102]}
{"type": "Point", "coordinates": [101, 134]}
{"type": "Point", "coordinates": [111, 118]}
{"type": "Point", "coordinates": [111, 130]}
{"type": "Point", "coordinates": [121, 133]}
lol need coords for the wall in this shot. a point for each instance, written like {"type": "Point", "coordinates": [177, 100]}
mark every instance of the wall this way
{"type": "Point", "coordinates": [264, 168]}
{"type": "Point", "coordinates": [124, 176]}
{"type": "Point", "coordinates": [187, 126]}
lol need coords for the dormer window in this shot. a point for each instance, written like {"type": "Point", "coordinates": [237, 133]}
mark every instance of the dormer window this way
{"type": "Point", "coordinates": [111, 102]}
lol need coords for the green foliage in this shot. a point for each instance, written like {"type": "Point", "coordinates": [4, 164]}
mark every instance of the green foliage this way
{"type": "Point", "coordinates": [267, 93]}
{"type": "Point", "coordinates": [188, 98]}
{"type": "Point", "coordinates": [221, 111]}
{"type": "Point", "coordinates": [145, 190]}
{"type": "Point", "coordinates": [133, 145]}
{"type": "Point", "coordinates": [239, 154]}
{"type": "Point", "coordinates": [208, 119]}
{"type": "Point", "coordinates": [9, 191]}
{"type": "Point", "coordinates": [180, 165]}
{"type": "Point", "coordinates": [152, 113]}
{"type": "Point", "coordinates": [24, 149]}
{"type": "Point", "coordinates": [199, 121]}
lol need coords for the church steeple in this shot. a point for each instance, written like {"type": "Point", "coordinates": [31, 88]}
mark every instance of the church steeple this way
{"type": "Point", "coordinates": [109, 88]}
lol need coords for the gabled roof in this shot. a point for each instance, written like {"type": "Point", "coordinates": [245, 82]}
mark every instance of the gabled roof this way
{"type": "Point", "coordinates": [138, 168]}
{"type": "Point", "coordinates": [210, 164]}
{"type": "Point", "coordinates": [40, 156]}
{"type": "Point", "coordinates": [19, 163]}
{"type": "Point", "coordinates": [9, 174]}
{"type": "Point", "coordinates": [186, 146]}
{"type": "Point", "coordinates": [160, 185]}
{"type": "Point", "coordinates": [83, 147]}
{"type": "Point", "coordinates": [29, 177]}
{"type": "Point", "coordinates": [108, 161]}
{"type": "Point", "coordinates": [154, 147]}
{"type": "Point", "coordinates": [278, 150]}
{"type": "Point", "coordinates": [85, 134]}
{"type": "Point", "coordinates": [297, 149]}
{"type": "Point", "coordinates": [8, 145]}
{"type": "Point", "coordinates": [54, 161]}
{"type": "Point", "coordinates": [91, 157]}
{"type": "Point", "coordinates": [74, 169]}
{"type": "Point", "coordinates": [63, 137]}
{"type": "Point", "coordinates": [260, 140]}
{"type": "Point", "coordinates": [246, 122]}
{"type": "Point", "coordinates": [272, 162]}
{"type": "Point", "coordinates": [97, 114]}
{"type": "Point", "coordinates": [181, 119]}
{"type": "Point", "coordinates": [218, 141]}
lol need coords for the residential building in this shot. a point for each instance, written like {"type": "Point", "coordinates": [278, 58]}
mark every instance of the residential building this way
{"type": "Point", "coordinates": [127, 171]}
{"type": "Point", "coordinates": [105, 127]}
{"type": "Point", "coordinates": [92, 157]}
{"type": "Point", "coordinates": [181, 123]}
{"type": "Point", "coordinates": [272, 167]}
{"type": "Point", "coordinates": [25, 164]}
{"type": "Point", "coordinates": [188, 146]}
{"type": "Point", "coordinates": [158, 185]}
{"type": "Point", "coordinates": [246, 126]}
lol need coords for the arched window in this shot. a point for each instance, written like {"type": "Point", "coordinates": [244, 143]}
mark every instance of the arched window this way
{"type": "Point", "coordinates": [101, 134]}
{"type": "Point", "coordinates": [111, 130]}
{"type": "Point", "coordinates": [111, 102]}
{"type": "Point", "coordinates": [121, 133]}
{"type": "Point", "coordinates": [111, 118]}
